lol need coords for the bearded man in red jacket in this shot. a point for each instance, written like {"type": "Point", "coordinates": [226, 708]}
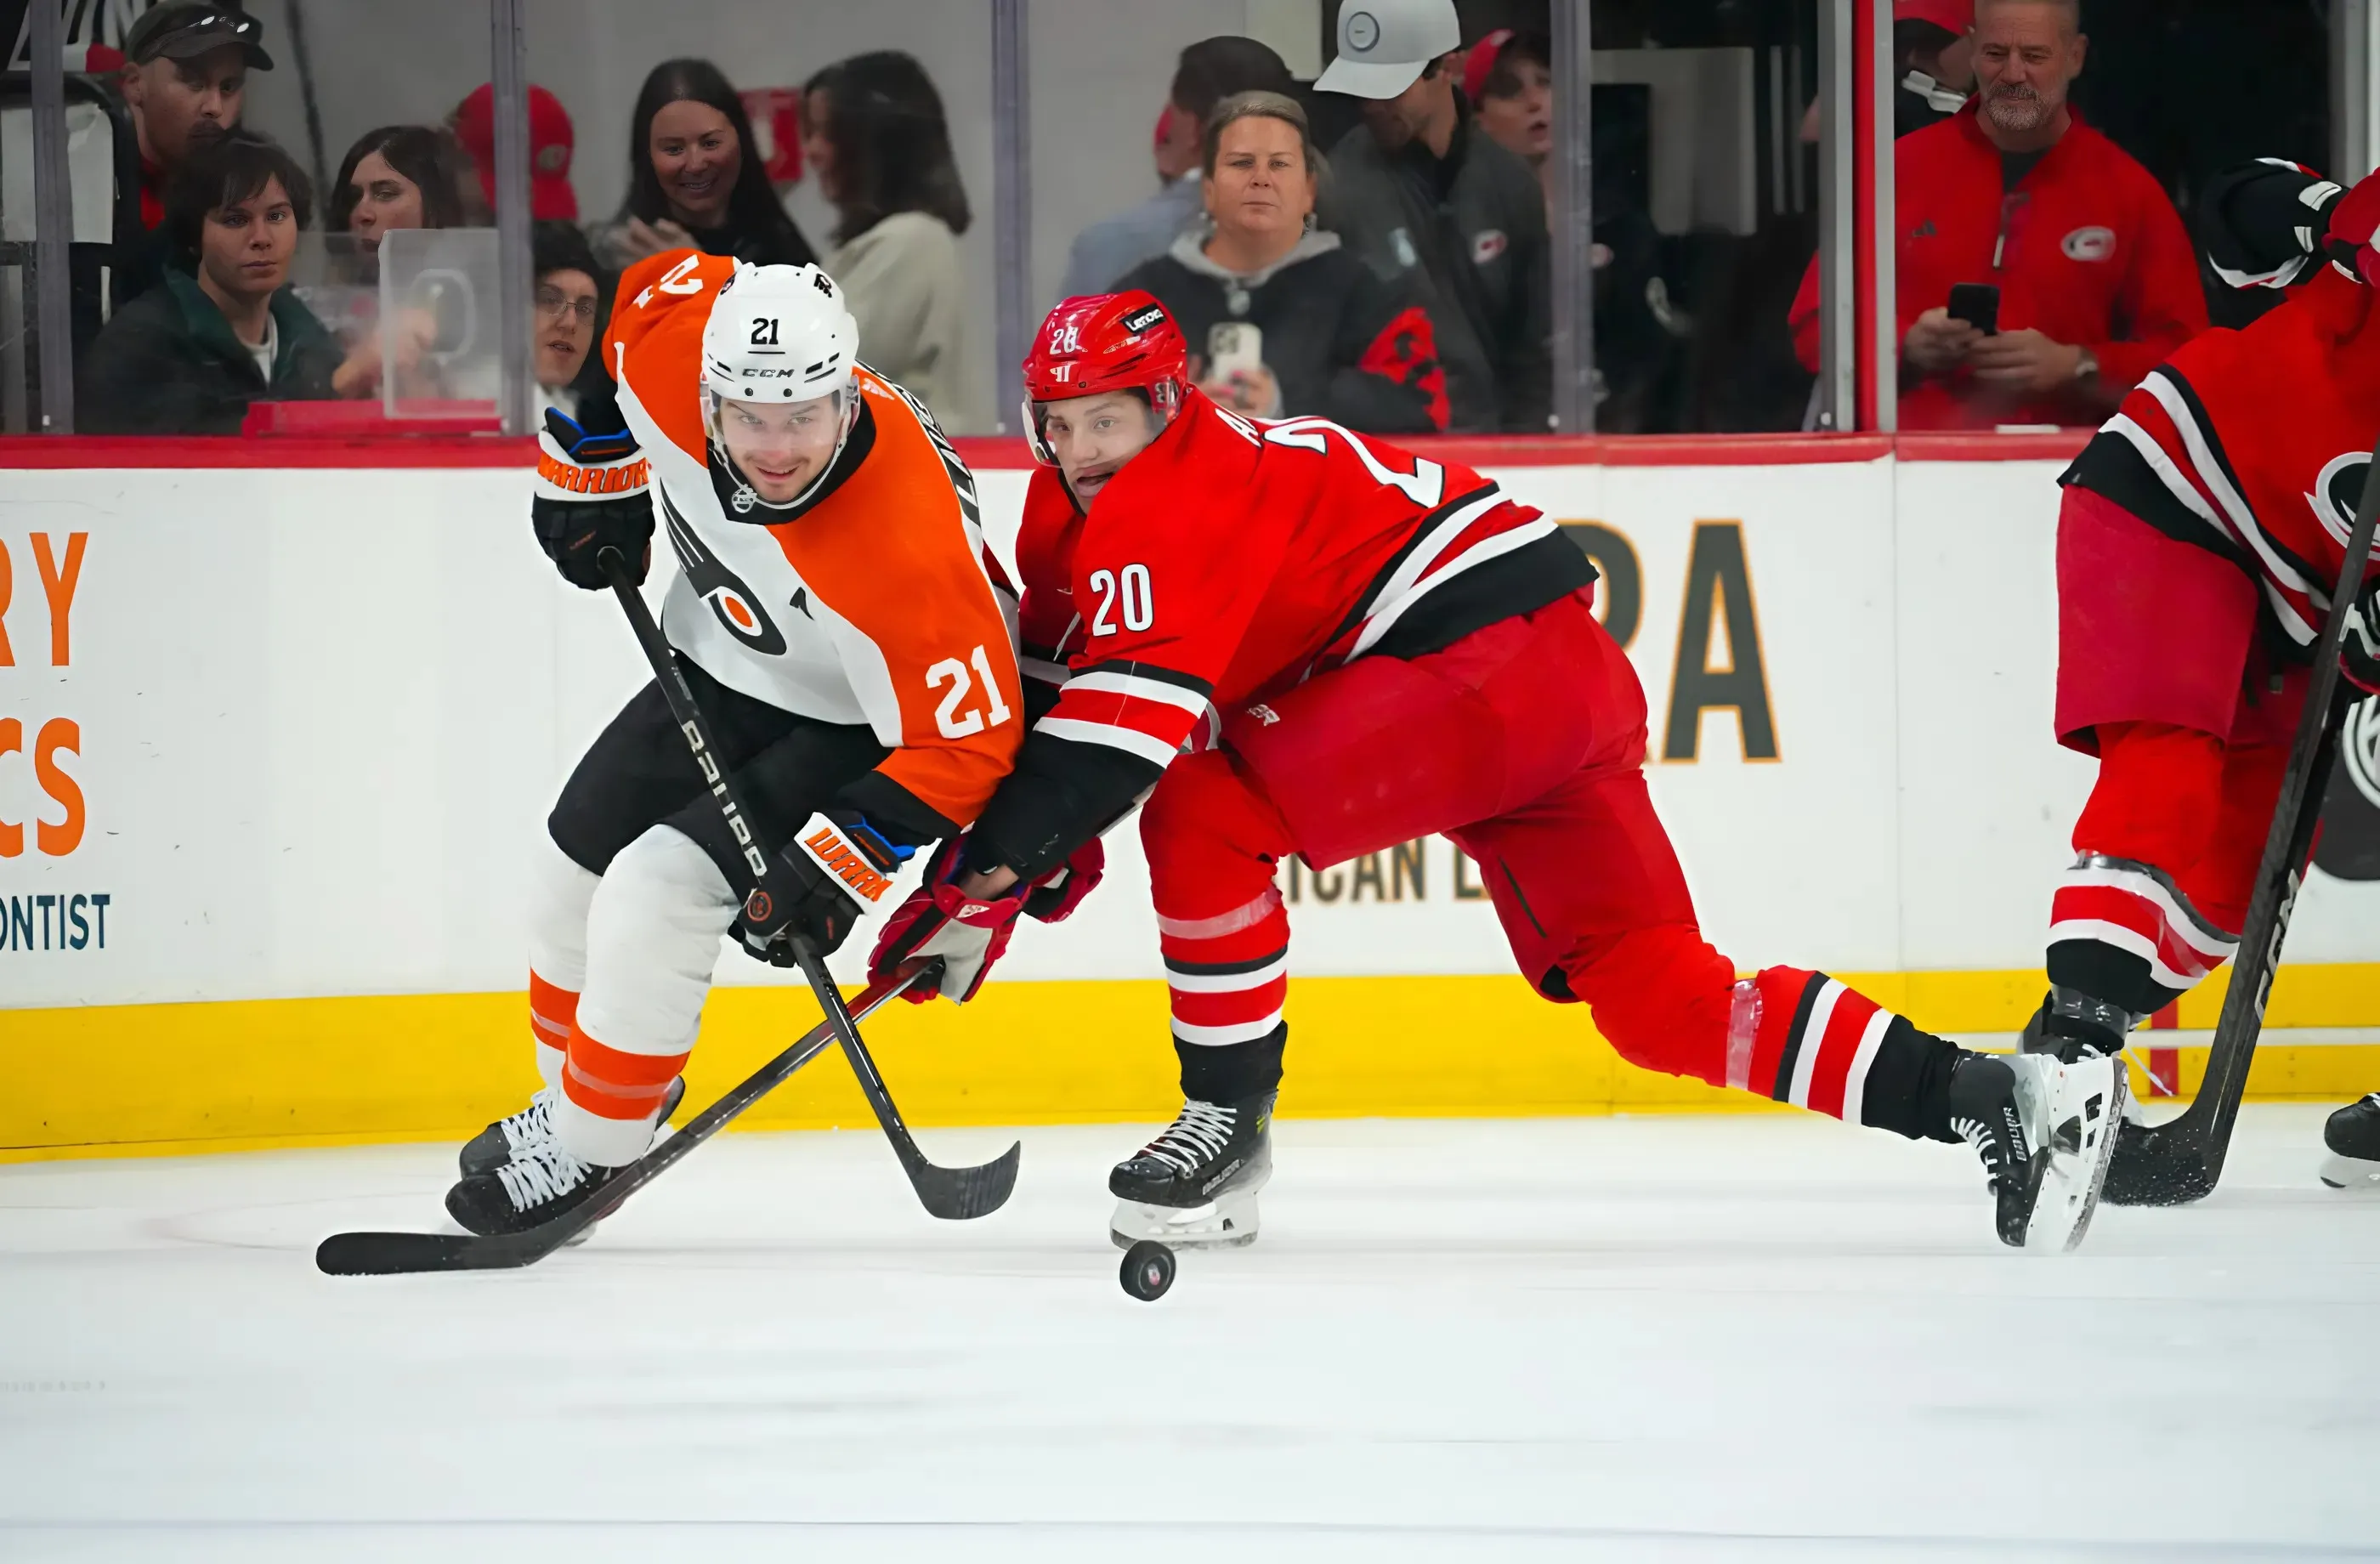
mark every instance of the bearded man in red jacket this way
{"type": "Point", "coordinates": [2097, 282]}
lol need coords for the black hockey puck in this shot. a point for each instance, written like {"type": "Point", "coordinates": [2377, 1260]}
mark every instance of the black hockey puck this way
{"type": "Point", "coordinates": [1147, 1270]}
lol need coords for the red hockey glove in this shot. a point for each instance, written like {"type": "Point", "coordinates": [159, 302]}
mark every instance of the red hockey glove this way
{"type": "Point", "coordinates": [1056, 894]}
{"type": "Point", "coordinates": [2359, 660]}
{"type": "Point", "coordinates": [939, 919]}
{"type": "Point", "coordinates": [969, 935]}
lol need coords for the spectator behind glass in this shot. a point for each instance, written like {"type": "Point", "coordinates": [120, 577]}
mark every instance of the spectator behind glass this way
{"type": "Point", "coordinates": [1207, 72]}
{"type": "Point", "coordinates": [1508, 78]}
{"type": "Point", "coordinates": [1442, 212]}
{"type": "Point", "coordinates": [1174, 146]}
{"type": "Point", "coordinates": [552, 139]}
{"type": "Point", "coordinates": [693, 180]}
{"type": "Point", "coordinates": [191, 354]}
{"type": "Point", "coordinates": [1336, 342]}
{"type": "Point", "coordinates": [1933, 60]}
{"type": "Point", "coordinates": [873, 133]}
{"type": "Point", "coordinates": [396, 176]}
{"type": "Point", "coordinates": [568, 303]}
{"type": "Point", "coordinates": [2097, 281]}
{"type": "Point", "coordinates": [184, 82]}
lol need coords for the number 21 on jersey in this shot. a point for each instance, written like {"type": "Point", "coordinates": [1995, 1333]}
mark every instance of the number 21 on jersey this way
{"type": "Point", "coordinates": [949, 716]}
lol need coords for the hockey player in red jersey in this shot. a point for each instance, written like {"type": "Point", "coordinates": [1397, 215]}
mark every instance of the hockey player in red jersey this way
{"type": "Point", "coordinates": [849, 637]}
{"type": "Point", "coordinates": [2203, 532]}
{"type": "Point", "coordinates": [1294, 639]}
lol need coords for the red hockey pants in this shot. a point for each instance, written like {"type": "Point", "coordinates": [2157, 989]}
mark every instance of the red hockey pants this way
{"type": "Point", "coordinates": [1525, 743]}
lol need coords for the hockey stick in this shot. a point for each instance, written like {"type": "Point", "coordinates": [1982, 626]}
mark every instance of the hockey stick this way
{"type": "Point", "coordinates": [2181, 1160]}
{"type": "Point", "coordinates": [399, 1254]}
{"type": "Point", "coordinates": [952, 1193]}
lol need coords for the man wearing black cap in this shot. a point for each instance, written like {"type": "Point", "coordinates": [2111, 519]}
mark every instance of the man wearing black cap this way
{"type": "Point", "coordinates": [185, 67]}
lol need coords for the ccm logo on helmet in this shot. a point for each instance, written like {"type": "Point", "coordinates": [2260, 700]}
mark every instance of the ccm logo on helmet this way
{"type": "Point", "coordinates": [1140, 321]}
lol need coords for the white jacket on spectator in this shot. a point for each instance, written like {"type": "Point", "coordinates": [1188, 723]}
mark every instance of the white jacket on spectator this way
{"type": "Point", "coordinates": [902, 281]}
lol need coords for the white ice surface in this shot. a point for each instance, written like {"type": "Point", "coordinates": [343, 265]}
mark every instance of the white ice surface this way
{"type": "Point", "coordinates": [1671, 1338]}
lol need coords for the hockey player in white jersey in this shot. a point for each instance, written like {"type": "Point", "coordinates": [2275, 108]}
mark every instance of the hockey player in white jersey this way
{"type": "Point", "coordinates": [851, 641]}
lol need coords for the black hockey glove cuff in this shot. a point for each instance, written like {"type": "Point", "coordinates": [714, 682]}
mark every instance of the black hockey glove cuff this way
{"type": "Point", "coordinates": [2264, 222]}
{"type": "Point", "coordinates": [591, 495]}
{"type": "Point", "coordinates": [820, 885]}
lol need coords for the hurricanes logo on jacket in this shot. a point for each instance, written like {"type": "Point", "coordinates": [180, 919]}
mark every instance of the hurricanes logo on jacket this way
{"type": "Point", "coordinates": [733, 601]}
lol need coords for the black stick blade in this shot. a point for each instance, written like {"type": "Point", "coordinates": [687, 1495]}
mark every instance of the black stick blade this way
{"type": "Point", "coordinates": [961, 1195]}
{"type": "Point", "coordinates": [404, 1254]}
{"type": "Point", "coordinates": [2159, 1165]}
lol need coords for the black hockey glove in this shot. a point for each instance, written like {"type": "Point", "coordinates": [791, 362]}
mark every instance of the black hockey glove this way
{"type": "Point", "coordinates": [591, 495]}
{"type": "Point", "coordinates": [2263, 223]}
{"type": "Point", "coordinates": [2359, 660]}
{"type": "Point", "coordinates": [820, 885]}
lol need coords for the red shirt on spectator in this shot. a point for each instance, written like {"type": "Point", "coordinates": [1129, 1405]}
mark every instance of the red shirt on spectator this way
{"type": "Point", "coordinates": [2085, 249]}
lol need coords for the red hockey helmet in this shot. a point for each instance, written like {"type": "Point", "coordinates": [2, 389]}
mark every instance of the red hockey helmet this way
{"type": "Point", "coordinates": [1104, 342]}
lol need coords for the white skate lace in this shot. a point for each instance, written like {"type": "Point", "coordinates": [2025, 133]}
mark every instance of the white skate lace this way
{"type": "Point", "coordinates": [1978, 1135]}
{"type": "Point", "coordinates": [1197, 1137]}
{"type": "Point", "coordinates": [547, 1172]}
{"type": "Point", "coordinates": [532, 1125]}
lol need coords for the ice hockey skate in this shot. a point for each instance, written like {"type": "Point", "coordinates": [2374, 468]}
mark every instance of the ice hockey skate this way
{"type": "Point", "coordinates": [1195, 1186]}
{"type": "Point", "coordinates": [512, 1136]}
{"type": "Point", "coordinates": [536, 1186]}
{"type": "Point", "coordinates": [2352, 1135]}
{"type": "Point", "coordinates": [2073, 1026]}
{"type": "Point", "coordinates": [2045, 1131]}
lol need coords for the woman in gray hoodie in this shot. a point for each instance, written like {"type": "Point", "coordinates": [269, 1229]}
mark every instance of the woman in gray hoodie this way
{"type": "Point", "coordinates": [1336, 341]}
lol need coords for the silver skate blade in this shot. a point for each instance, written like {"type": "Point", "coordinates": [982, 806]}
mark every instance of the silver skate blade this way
{"type": "Point", "coordinates": [2351, 1175]}
{"type": "Point", "coordinates": [2086, 1109]}
{"type": "Point", "coordinates": [1229, 1222]}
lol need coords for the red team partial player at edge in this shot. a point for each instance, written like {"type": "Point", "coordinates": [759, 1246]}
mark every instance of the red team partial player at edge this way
{"type": "Point", "coordinates": [1289, 638]}
{"type": "Point", "coordinates": [2203, 532]}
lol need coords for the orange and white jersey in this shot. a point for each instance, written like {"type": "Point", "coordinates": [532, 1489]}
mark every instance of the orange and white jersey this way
{"type": "Point", "coordinates": [873, 602]}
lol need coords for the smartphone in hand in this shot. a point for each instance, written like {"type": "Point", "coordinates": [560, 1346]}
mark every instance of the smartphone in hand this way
{"type": "Point", "coordinates": [1978, 304]}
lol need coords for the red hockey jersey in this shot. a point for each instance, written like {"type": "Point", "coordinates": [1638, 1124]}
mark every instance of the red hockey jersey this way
{"type": "Point", "coordinates": [1227, 561]}
{"type": "Point", "coordinates": [2255, 443]}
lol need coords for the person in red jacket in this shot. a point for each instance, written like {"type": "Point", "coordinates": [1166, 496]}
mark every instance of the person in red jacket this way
{"type": "Point", "coordinates": [2097, 282]}
{"type": "Point", "coordinates": [1291, 639]}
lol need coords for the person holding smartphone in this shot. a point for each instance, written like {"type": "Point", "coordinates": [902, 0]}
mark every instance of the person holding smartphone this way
{"type": "Point", "coordinates": [1282, 320]}
{"type": "Point", "coordinates": [2075, 273]}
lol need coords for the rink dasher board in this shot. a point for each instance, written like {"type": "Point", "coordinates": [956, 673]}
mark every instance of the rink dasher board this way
{"type": "Point", "coordinates": [238, 726]}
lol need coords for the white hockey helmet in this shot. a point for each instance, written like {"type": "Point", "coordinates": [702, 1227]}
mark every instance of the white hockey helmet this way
{"type": "Point", "coordinates": [779, 333]}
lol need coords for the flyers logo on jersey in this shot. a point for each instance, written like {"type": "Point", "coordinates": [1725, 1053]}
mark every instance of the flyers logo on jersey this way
{"type": "Point", "coordinates": [730, 600]}
{"type": "Point", "coordinates": [847, 862]}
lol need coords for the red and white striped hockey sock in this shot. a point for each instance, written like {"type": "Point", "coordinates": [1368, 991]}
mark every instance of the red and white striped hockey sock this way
{"type": "Point", "coordinates": [2122, 931]}
{"type": "Point", "coordinates": [1822, 1045]}
{"type": "Point", "coordinates": [1227, 976]}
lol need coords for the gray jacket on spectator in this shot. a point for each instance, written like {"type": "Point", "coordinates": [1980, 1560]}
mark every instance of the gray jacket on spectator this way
{"type": "Point", "coordinates": [1466, 236]}
{"type": "Point", "coordinates": [908, 292]}
{"type": "Point", "coordinates": [1103, 252]}
{"type": "Point", "coordinates": [169, 364]}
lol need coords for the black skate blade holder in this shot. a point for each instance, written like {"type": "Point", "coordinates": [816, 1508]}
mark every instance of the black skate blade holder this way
{"type": "Point", "coordinates": [2181, 1160]}
{"type": "Point", "coordinates": [951, 1194]}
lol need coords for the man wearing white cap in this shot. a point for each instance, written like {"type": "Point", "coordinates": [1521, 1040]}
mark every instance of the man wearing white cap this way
{"type": "Point", "coordinates": [1446, 212]}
